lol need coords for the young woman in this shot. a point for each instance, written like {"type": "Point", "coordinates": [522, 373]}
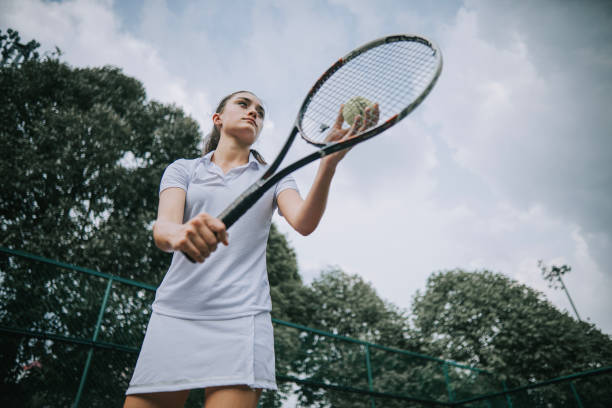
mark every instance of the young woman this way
{"type": "Point", "coordinates": [211, 326]}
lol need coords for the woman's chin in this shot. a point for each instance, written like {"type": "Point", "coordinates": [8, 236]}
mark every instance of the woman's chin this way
{"type": "Point", "coordinates": [247, 138]}
{"type": "Point", "coordinates": [244, 135]}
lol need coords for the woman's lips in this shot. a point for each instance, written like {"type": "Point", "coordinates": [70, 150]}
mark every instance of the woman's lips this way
{"type": "Point", "coordinates": [251, 121]}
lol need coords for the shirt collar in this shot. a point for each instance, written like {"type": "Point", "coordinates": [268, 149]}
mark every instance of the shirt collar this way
{"type": "Point", "coordinates": [253, 163]}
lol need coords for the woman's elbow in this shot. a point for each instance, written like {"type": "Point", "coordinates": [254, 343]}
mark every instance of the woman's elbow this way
{"type": "Point", "coordinates": [305, 229]}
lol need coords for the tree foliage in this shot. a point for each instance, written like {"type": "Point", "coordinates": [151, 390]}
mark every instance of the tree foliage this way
{"type": "Point", "coordinates": [488, 320]}
{"type": "Point", "coordinates": [346, 305]}
{"type": "Point", "coordinates": [286, 286]}
{"type": "Point", "coordinates": [13, 51]}
{"type": "Point", "coordinates": [287, 292]}
{"type": "Point", "coordinates": [83, 152]}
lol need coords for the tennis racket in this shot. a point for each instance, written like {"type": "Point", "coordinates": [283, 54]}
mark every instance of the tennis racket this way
{"type": "Point", "coordinates": [396, 72]}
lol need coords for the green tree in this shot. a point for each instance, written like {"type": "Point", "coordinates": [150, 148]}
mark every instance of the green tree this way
{"type": "Point", "coordinates": [493, 322]}
{"type": "Point", "coordinates": [83, 152]}
{"type": "Point", "coordinates": [13, 51]}
{"type": "Point", "coordinates": [82, 155]}
{"type": "Point", "coordinates": [287, 292]}
{"type": "Point", "coordinates": [286, 286]}
{"type": "Point", "coordinates": [346, 305]}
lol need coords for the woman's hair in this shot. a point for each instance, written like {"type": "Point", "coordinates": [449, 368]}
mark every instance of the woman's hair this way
{"type": "Point", "coordinates": [212, 140]}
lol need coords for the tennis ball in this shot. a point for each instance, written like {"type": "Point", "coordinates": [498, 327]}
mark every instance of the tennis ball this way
{"type": "Point", "coordinates": [353, 107]}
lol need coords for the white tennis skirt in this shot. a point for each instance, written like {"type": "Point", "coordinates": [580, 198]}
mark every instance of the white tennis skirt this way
{"type": "Point", "coordinates": [179, 354]}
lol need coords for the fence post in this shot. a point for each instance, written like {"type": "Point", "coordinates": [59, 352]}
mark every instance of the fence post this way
{"type": "Point", "coordinates": [95, 337]}
{"type": "Point", "coordinates": [508, 400]}
{"type": "Point", "coordinates": [370, 380]}
{"type": "Point", "coordinates": [447, 379]}
{"type": "Point", "coordinates": [576, 395]}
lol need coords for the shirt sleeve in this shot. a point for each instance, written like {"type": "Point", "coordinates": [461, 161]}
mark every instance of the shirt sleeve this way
{"type": "Point", "coordinates": [287, 182]}
{"type": "Point", "coordinates": [176, 175]}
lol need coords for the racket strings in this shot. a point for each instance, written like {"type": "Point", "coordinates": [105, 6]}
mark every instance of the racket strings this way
{"type": "Point", "coordinates": [394, 75]}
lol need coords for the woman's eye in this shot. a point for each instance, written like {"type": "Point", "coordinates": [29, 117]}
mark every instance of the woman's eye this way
{"type": "Point", "coordinates": [242, 103]}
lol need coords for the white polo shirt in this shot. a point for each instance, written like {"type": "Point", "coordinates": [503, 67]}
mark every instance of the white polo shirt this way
{"type": "Point", "coordinates": [233, 280]}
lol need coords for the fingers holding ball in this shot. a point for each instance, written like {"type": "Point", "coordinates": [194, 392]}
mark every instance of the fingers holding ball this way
{"type": "Point", "coordinates": [361, 107]}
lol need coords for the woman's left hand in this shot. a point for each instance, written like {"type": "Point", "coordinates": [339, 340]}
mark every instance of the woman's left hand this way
{"type": "Point", "coordinates": [337, 133]}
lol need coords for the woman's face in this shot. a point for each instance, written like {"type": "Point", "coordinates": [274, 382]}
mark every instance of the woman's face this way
{"type": "Point", "coordinates": [242, 117]}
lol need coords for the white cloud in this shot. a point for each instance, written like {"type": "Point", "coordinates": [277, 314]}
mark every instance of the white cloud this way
{"type": "Point", "coordinates": [527, 104]}
{"type": "Point", "coordinates": [505, 163]}
{"type": "Point", "coordinates": [89, 34]}
{"type": "Point", "coordinates": [520, 127]}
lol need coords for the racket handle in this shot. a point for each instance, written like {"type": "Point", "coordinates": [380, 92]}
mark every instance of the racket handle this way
{"type": "Point", "coordinates": [239, 206]}
{"type": "Point", "coordinates": [190, 258]}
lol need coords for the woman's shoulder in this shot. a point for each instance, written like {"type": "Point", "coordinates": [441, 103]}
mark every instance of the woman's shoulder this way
{"type": "Point", "coordinates": [185, 163]}
{"type": "Point", "coordinates": [182, 168]}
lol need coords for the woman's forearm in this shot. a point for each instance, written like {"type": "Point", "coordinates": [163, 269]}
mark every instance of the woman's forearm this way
{"type": "Point", "coordinates": [311, 211]}
{"type": "Point", "coordinates": [163, 231]}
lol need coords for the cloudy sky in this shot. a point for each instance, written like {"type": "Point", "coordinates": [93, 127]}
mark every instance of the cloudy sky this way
{"type": "Point", "coordinates": [505, 163]}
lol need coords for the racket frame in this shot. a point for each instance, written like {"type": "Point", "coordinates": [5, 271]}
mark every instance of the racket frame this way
{"type": "Point", "coordinates": [241, 204]}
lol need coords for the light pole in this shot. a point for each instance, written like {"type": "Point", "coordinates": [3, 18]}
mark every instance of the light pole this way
{"type": "Point", "coordinates": [555, 272]}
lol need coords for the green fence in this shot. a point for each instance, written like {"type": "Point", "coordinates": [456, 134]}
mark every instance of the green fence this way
{"type": "Point", "coordinates": [70, 337]}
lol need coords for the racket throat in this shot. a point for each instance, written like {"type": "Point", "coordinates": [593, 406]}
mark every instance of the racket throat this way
{"type": "Point", "coordinates": [281, 155]}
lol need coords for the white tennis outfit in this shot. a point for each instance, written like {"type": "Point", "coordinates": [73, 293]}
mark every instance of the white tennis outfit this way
{"type": "Point", "coordinates": [211, 322]}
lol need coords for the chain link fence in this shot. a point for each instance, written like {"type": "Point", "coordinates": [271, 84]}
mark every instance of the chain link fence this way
{"type": "Point", "coordinates": [70, 337]}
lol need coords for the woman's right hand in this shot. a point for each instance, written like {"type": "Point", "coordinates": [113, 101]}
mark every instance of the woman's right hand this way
{"type": "Point", "coordinates": [199, 236]}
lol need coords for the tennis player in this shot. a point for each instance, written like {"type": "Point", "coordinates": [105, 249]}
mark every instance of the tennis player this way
{"type": "Point", "coordinates": [211, 326]}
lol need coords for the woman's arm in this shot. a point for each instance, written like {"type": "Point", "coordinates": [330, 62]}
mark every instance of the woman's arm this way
{"type": "Point", "coordinates": [198, 237]}
{"type": "Point", "coordinates": [304, 215]}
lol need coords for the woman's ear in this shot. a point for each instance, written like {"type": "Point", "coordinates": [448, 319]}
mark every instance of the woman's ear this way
{"type": "Point", "coordinates": [217, 120]}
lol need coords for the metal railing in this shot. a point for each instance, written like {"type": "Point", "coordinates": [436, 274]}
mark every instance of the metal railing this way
{"type": "Point", "coordinates": [87, 326]}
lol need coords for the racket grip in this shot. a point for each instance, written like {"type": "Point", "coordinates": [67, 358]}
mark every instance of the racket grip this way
{"type": "Point", "coordinates": [190, 258]}
{"type": "Point", "coordinates": [239, 206]}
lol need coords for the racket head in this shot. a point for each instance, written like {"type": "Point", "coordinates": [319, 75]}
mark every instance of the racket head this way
{"type": "Point", "coordinates": [397, 72]}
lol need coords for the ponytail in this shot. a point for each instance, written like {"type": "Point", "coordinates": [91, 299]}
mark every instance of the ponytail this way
{"type": "Point", "coordinates": [258, 156]}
